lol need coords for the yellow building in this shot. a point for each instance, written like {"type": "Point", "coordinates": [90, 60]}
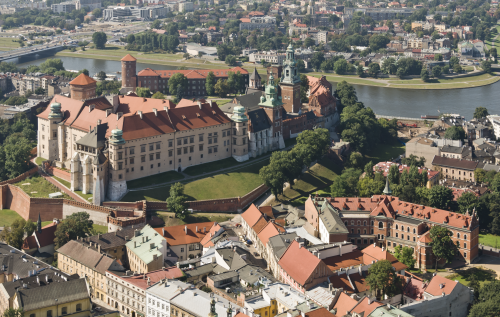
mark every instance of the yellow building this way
{"type": "Point", "coordinates": [56, 299]}
{"type": "Point", "coordinates": [76, 257]}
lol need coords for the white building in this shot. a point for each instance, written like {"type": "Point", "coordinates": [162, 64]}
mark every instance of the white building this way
{"type": "Point", "coordinates": [159, 295]}
{"type": "Point", "coordinates": [186, 6]}
{"type": "Point", "coordinates": [270, 57]}
{"type": "Point", "coordinates": [495, 121]}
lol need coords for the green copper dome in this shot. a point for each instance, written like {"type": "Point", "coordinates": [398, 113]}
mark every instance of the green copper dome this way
{"type": "Point", "coordinates": [271, 99]}
{"type": "Point", "coordinates": [239, 114]}
{"type": "Point", "coordinates": [55, 111]}
{"type": "Point", "coordinates": [117, 137]}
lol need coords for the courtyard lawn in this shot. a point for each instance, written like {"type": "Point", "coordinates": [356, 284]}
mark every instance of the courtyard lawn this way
{"type": "Point", "coordinates": [39, 187]}
{"type": "Point", "coordinates": [154, 179]}
{"type": "Point", "coordinates": [211, 167]}
{"type": "Point", "coordinates": [39, 160]}
{"type": "Point", "coordinates": [482, 275]}
{"type": "Point", "coordinates": [385, 152]}
{"type": "Point", "coordinates": [236, 183]}
{"type": "Point", "coordinates": [170, 220]}
{"type": "Point", "coordinates": [320, 176]}
{"type": "Point", "coordinates": [490, 240]}
{"type": "Point", "coordinates": [68, 185]}
{"type": "Point", "coordinates": [8, 216]}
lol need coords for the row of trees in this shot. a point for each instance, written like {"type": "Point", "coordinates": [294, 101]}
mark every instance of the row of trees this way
{"type": "Point", "coordinates": [150, 41]}
{"type": "Point", "coordinates": [286, 166]}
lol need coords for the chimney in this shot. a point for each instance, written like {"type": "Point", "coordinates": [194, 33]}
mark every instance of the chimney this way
{"type": "Point", "coordinates": [140, 114]}
{"type": "Point", "coordinates": [98, 236]}
{"type": "Point", "coordinates": [99, 248]}
{"type": "Point", "coordinates": [199, 104]}
{"type": "Point", "coordinates": [186, 229]}
{"type": "Point", "coordinates": [165, 108]}
{"type": "Point", "coordinates": [196, 229]}
{"type": "Point", "coordinates": [156, 112]}
{"type": "Point", "coordinates": [163, 231]}
{"type": "Point", "coordinates": [204, 229]}
{"type": "Point", "coordinates": [135, 244]}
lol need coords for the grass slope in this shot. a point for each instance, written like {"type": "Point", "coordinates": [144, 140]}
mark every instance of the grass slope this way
{"type": "Point", "coordinates": [482, 275]}
{"type": "Point", "coordinates": [154, 179]}
{"type": "Point", "coordinates": [39, 187]}
{"type": "Point", "coordinates": [170, 220]}
{"type": "Point", "coordinates": [7, 217]}
{"type": "Point", "coordinates": [384, 152]}
{"type": "Point", "coordinates": [489, 240]}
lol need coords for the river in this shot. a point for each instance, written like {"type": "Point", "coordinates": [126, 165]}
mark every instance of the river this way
{"type": "Point", "coordinates": [384, 101]}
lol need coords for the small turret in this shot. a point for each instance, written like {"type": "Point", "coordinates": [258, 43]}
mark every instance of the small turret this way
{"type": "Point", "coordinates": [387, 189]}
{"type": "Point", "coordinates": [55, 111]}
{"type": "Point", "coordinates": [239, 114]}
{"type": "Point", "coordinates": [117, 137]}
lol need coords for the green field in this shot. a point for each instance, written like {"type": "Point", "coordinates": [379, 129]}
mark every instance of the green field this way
{"type": "Point", "coordinates": [482, 275]}
{"type": "Point", "coordinates": [320, 176]}
{"type": "Point", "coordinates": [232, 184]}
{"type": "Point", "coordinates": [492, 41]}
{"type": "Point", "coordinates": [154, 179]}
{"type": "Point", "coordinates": [489, 240]}
{"type": "Point", "coordinates": [39, 160]}
{"type": "Point", "coordinates": [170, 220]}
{"type": "Point", "coordinates": [7, 217]}
{"type": "Point", "coordinates": [384, 152]}
{"type": "Point", "coordinates": [8, 44]}
{"type": "Point", "coordinates": [39, 187]}
{"type": "Point", "coordinates": [68, 185]}
{"type": "Point", "coordinates": [211, 167]}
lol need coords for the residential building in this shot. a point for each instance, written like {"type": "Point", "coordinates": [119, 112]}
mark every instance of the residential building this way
{"type": "Point", "coordinates": [440, 297]}
{"type": "Point", "coordinates": [75, 257]}
{"type": "Point", "coordinates": [418, 43]}
{"type": "Point", "coordinates": [388, 222]}
{"type": "Point", "coordinates": [270, 57]}
{"type": "Point", "coordinates": [305, 273]}
{"type": "Point", "coordinates": [146, 250]}
{"type": "Point", "coordinates": [379, 14]}
{"type": "Point", "coordinates": [55, 299]}
{"type": "Point", "coordinates": [206, 305]}
{"type": "Point", "coordinates": [113, 243]}
{"type": "Point", "coordinates": [253, 23]}
{"type": "Point", "coordinates": [90, 4]}
{"type": "Point", "coordinates": [159, 295]}
{"type": "Point", "coordinates": [275, 299]}
{"type": "Point", "coordinates": [184, 241]}
{"type": "Point", "coordinates": [455, 168]}
{"type": "Point", "coordinates": [495, 122]}
{"type": "Point", "coordinates": [63, 7]}
{"type": "Point", "coordinates": [186, 6]}
{"type": "Point", "coordinates": [126, 291]}
{"type": "Point", "coordinates": [41, 243]}
{"type": "Point", "coordinates": [276, 246]}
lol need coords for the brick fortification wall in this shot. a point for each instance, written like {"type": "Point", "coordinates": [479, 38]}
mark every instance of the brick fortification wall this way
{"type": "Point", "coordinates": [54, 171]}
{"type": "Point", "coordinates": [21, 177]}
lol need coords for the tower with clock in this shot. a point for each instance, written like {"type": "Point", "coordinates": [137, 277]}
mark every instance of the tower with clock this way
{"type": "Point", "coordinates": [290, 82]}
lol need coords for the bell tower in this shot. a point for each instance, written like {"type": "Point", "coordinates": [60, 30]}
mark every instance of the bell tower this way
{"type": "Point", "coordinates": [290, 82]}
{"type": "Point", "coordinates": [272, 105]}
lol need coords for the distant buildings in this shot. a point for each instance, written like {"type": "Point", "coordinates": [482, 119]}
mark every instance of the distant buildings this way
{"type": "Point", "coordinates": [63, 7]}
{"type": "Point", "coordinates": [256, 22]}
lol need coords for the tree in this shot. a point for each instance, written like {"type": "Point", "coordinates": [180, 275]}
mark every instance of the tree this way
{"type": "Point", "coordinates": [356, 160]}
{"type": "Point", "coordinates": [380, 276]}
{"type": "Point", "coordinates": [393, 174]}
{"type": "Point", "coordinates": [99, 39]}
{"type": "Point", "coordinates": [17, 151]}
{"type": "Point", "coordinates": [413, 160]}
{"type": "Point", "coordinates": [14, 235]}
{"type": "Point", "coordinates": [74, 226]}
{"type": "Point", "coordinates": [454, 61]}
{"type": "Point", "coordinates": [405, 256]}
{"type": "Point", "coordinates": [177, 80]}
{"type": "Point", "coordinates": [210, 83]}
{"type": "Point", "coordinates": [480, 112]}
{"type": "Point", "coordinates": [424, 75]}
{"type": "Point", "coordinates": [440, 197]}
{"type": "Point", "coordinates": [467, 202]}
{"type": "Point", "coordinates": [346, 185]}
{"type": "Point", "coordinates": [221, 88]}
{"type": "Point", "coordinates": [11, 312]}
{"type": "Point", "coordinates": [156, 24]}
{"type": "Point", "coordinates": [378, 41]}
{"type": "Point", "coordinates": [479, 175]}
{"type": "Point", "coordinates": [176, 202]}
{"type": "Point", "coordinates": [493, 53]}
{"type": "Point", "coordinates": [441, 244]}
{"type": "Point", "coordinates": [436, 71]}
{"type": "Point", "coordinates": [143, 92]}
{"type": "Point", "coordinates": [457, 68]}
{"type": "Point", "coordinates": [438, 57]}
{"type": "Point", "coordinates": [29, 227]}
{"type": "Point", "coordinates": [186, 55]}
{"type": "Point", "coordinates": [158, 95]}
{"type": "Point", "coordinates": [179, 93]}
{"type": "Point", "coordinates": [317, 59]}
{"type": "Point", "coordinates": [340, 66]}
{"type": "Point", "coordinates": [55, 63]}
{"type": "Point", "coordinates": [374, 69]}
{"type": "Point", "coordinates": [369, 169]}
{"type": "Point", "coordinates": [308, 42]}
{"type": "Point", "coordinates": [359, 71]}
{"type": "Point", "coordinates": [486, 66]}
{"type": "Point", "coordinates": [101, 75]}
{"type": "Point", "coordinates": [455, 133]}
{"type": "Point", "coordinates": [40, 91]}
{"type": "Point", "coordinates": [172, 43]}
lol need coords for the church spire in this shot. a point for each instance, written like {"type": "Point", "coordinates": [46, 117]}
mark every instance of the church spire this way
{"type": "Point", "coordinates": [387, 189]}
{"type": "Point", "coordinates": [39, 224]}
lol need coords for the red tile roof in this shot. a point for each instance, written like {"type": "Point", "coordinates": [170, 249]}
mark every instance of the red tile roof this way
{"type": "Point", "coordinates": [439, 285]}
{"type": "Point", "coordinates": [205, 242]}
{"type": "Point", "coordinates": [415, 289]}
{"type": "Point", "coordinates": [426, 237]}
{"type": "Point", "coordinates": [366, 306]}
{"type": "Point", "coordinates": [69, 107]}
{"type": "Point", "coordinates": [321, 312]}
{"type": "Point", "coordinates": [344, 304]}
{"type": "Point", "coordinates": [185, 234]}
{"type": "Point", "coordinates": [341, 281]}
{"type": "Point", "coordinates": [251, 215]}
{"type": "Point", "coordinates": [260, 225]}
{"type": "Point", "coordinates": [375, 253]}
{"type": "Point", "coordinates": [30, 243]}
{"type": "Point", "coordinates": [345, 260]}
{"type": "Point", "coordinates": [82, 80]}
{"type": "Point", "coordinates": [47, 236]}
{"type": "Point", "coordinates": [128, 58]}
{"type": "Point", "coordinates": [298, 262]}
{"type": "Point", "coordinates": [147, 72]}
{"type": "Point", "coordinates": [269, 231]}
{"type": "Point", "coordinates": [141, 280]}
{"type": "Point", "coordinates": [384, 168]}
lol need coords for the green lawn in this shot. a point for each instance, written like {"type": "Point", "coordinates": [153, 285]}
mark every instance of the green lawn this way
{"type": "Point", "coordinates": [233, 184]}
{"type": "Point", "coordinates": [320, 176]}
{"type": "Point", "coordinates": [211, 167]}
{"type": "Point", "coordinates": [7, 217]}
{"type": "Point", "coordinates": [39, 160]}
{"type": "Point", "coordinates": [154, 179]}
{"type": "Point", "coordinates": [170, 220]}
{"type": "Point", "coordinates": [68, 185]}
{"type": "Point", "coordinates": [6, 42]}
{"type": "Point", "coordinates": [223, 101]}
{"type": "Point", "coordinates": [384, 152]}
{"type": "Point", "coordinates": [39, 187]}
{"type": "Point", "coordinates": [489, 240]}
{"type": "Point", "coordinates": [98, 228]}
{"type": "Point", "coordinates": [482, 275]}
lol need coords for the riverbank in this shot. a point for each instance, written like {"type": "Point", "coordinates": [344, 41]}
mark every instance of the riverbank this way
{"type": "Point", "coordinates": [116, 53]}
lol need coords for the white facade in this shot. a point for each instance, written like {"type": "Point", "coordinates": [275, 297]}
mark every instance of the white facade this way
{"type": "Point", "coordinates": [159, 295]}
{"type": "Point", "coordinates": [495, 121]}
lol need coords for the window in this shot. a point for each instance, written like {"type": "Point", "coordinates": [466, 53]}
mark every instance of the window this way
{"type": "Point", "coordinates": [170, 143]}
{"type": "Point", "coordinates": [182, 249]}
{"type": "Point", "coordinates": [151, 157]}
{"type": "Point", "coordinates": [414, 231]}
{"type": "Point", "coordinates": [158, 155]}
{"type": "Point", "coordinates": [185, 141]}
{"type": "Point", "coordinates": [185, 150]}
{"type": "Point", "coordinates": [396, 234]}
{"type": "Point", "coordinates": [465, 237]}
{"type": "Point", "coordinates": [458, 235]}
{"type": "Point", "coordinates": [131, 160]}
{"type": "Point", "coordinates": [381, 225]}
{"type": "Point", "coordinates": [179, 151]}
{"type": "Point", "coordinates": [143, 158]}
{"type": "Point", "coordinates": [143, 148]}
{"type": "Point", "coordinates": [179, 142]}
{"type": "Point", "coordinates": [49, 313]}
{"type": "Point", "coordinates": [157, 146]}
{"type": "Point", "coordinates": [200, 138]}
{"type": "Point", "coordinates": [64, 310]}
{"type": "Point", "coordinates": [191, 139]}
{"type": "Point", "coordinates": [403, 228]}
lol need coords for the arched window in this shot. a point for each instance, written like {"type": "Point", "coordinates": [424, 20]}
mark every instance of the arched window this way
{"type": "Point", "coordinates": [403, 236]}
{"type": "Point", "coordinates": [380, 225]}
{"type": "Point", "coordinates": [414, 239]}
{"type": "Point", "coordinates": [372, 222]}
{"type": "Point", "coordinates": [345, 222]}
{"type": "Point", "coordinates": [458, 235]}
{"type": "Point", "coordinates": [414, 231]}
{"type": "Point", "coordinates": [403, 228]}
{"type": "Point", "coordinates": [352, 222]}
{"type": "Point", "coordinates": [352, 231]}
{"type": "Point", "coordinates": [364, 223]}
{"type": "Point", "coordinates": [408, 229]}
{"type": "Point", "coordinates": [397, 227]}
{"type": "Point", "coordinates": [359, 231]}
{"type": "Point", "coordinates": [408, 237]}
{"type": "Point", "coordinates": [465, 245]}
{"type": "Point", "coordinates": [359, 223]}
{"type": "Point", "coordinates": [465, 237]}
{"type": "Point", "coordinates": [364, 231]}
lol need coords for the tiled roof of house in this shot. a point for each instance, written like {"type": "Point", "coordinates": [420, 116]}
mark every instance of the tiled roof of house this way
{"type": "Point", "coordinates": [439, 285]}
{"type": "Point", "coordinates": [260, 225]}
{"type": "Point", "coordinates": [141, 280]}
{"type": "Point", "coordinates": [321, 312]}
{"type": "Point", "coordinates": [454, 163]}
{"type": "Point", "coordinates": [383, 167]}
{"type": "Point", "coordinates": [270, 230]}
{"type": "Point", "coordinates": [345, 260]}
{"type": "Point", "coordinates": [344, 304]}
{"type": "Point", "coordinates": [365, 306]}
{"type": "Point", "coordinates": [251, 215]}
{"type": "Point", "coordinates": [185, 234]}
{"type": "Point", "coordinates": [82, 80]}
{"type": "Point", "coordinates": [415, 289]}
{"type": "Point", "coordinates": [206, 241]}
{"type": "Point", "coordinates": [341, 281]}
{"type": "Point", "coordinates": [298, 262]}
{"type": "Point", "coordinates": [47, 236]}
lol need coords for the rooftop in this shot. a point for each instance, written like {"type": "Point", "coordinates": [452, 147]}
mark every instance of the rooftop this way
{"type": "Point", "coordinates": [146, 244]}
{"type": "Point", "coordinates": [185, 234]}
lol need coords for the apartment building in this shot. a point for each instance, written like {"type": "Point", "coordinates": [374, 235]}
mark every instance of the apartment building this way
{"type": "Point", "coordinates": [455, 168]}
{"type": "Point", "coordinates": [76, 257]}
{"type": "Point", "coordinates": [270, 57]}
{"type": "Point", "coordinates": [186, 6]}
{"type": "Point", "coordinates": [63, 7]}
{"type": "Point", "coordinates": [254, 23]}
{"type": "Point", "coordinates": [146, 250]}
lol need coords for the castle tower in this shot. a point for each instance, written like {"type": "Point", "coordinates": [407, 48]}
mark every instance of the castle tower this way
{"type": "Point", "coordinates": [82, 87]}
{"type": "Point", "coordinates": [290, 82]}
{"type": "Point", "coordinates": [117, 185]}
{"type": "Point", "coordinates": [55, 117]}
{"type": "Point", "coordinates": [255, 80]}
{"type": "Point", "coordinates": [240, 137]}
{"type": "Point", "coordinates": [273, 106]}
{"type": "Point", "coordinates": [129, 71]}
